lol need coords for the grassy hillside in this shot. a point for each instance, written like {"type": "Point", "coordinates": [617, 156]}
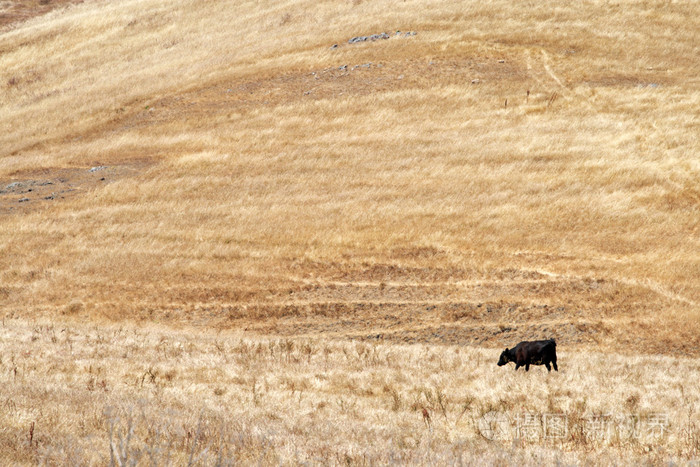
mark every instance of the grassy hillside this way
{"type": "Point", "coordinates": [484, 173]}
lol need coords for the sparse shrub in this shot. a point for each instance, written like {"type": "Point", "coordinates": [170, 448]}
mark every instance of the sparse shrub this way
{"type": "Point", "coordinates": [170, 375]}
{"type": "Point", "coordinates": [396, 401]}
{"type": "Point", "coordinates": [74, 307]}
{"type": "Point", "coordinates": [632, 402]}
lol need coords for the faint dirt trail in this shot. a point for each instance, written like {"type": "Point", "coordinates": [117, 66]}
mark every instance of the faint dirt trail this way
{"type": "Point", "coordinates": [647, 284]}
{"type": "Point", "coordinates": [548, 69]}
{"type": "Point", "coordinates": [563, 91]}
{"type": "Point", "coordinates": [377, 284]}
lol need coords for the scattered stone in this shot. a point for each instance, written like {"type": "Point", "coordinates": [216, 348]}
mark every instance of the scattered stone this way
{"type": "Point", "coordinates": [12, 186]}
{"type": "Point", "coordinates": [372, 38]}
{"type": "Point", "coordinates": [501, 61]}
{"type": "Point", "coordinates": [24, 187]}
{"type": "Point", "coordinates": [343, 68]}
{"type": "Point", "coordinates": [476, 81]}
{"type": "Point", "coordinates": [366, 65]}
{"type": "Point", "coordinates": [31, 192]}
{"type": "Point", "coordinates": [376, 37]}
{"type": "Point", "coordinates": [334, 46]}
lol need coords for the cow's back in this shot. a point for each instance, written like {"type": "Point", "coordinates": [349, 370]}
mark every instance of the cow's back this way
{"type": "Point", "coordinates": [536, 351]}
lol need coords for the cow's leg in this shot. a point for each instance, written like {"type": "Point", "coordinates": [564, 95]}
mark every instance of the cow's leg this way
{"type": "Point", "coordinates": [554, 364]}
{"type": "Point", "coordinates": [527, 367]}
{"type": "Point", "coordinates": [516, 367]}
{"type": "Point", "coordinates": [549, 368]}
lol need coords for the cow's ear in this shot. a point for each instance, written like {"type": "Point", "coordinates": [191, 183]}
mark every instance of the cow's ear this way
{"type": "Point", "coordinates": [506, 349]}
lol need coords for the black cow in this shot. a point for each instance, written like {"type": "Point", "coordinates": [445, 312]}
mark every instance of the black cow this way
{"type": "Point", "coordinates": [531, 353]}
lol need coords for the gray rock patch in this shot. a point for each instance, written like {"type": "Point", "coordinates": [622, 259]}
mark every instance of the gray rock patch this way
{"type": "Point", "coordinates": [372, 38]}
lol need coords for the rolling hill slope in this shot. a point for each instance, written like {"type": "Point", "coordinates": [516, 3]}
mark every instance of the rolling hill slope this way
{"type": "Point", "coordinates": [251, 152]}
{"type": "Point", "coordinates": [412, 176]}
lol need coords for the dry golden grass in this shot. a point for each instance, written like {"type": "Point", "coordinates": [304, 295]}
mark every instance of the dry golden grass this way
{"type": "Point", "coordinates": [510, 172]}
{"type": "Point", "coordinates": [123, 396]}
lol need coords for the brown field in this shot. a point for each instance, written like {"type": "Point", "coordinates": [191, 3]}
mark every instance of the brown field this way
{"type": "Point", "coordinates": [229, 235]}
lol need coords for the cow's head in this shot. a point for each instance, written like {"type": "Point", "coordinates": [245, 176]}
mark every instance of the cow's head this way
{"type": "Point", "coordinates": [505, 358]}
